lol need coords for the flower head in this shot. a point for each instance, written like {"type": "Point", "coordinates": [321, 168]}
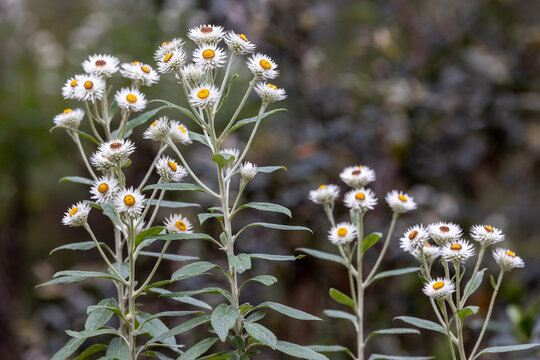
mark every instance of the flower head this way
{"type": "Point", "coordinates": [130, 99]}
{"type": "Point", "coordinates": [361, 200]}
{"type": "Point", "coordinates": [169, 170]}
{"type": "Point", "coordinates": [239, 43]}
{"type": "Point", "coordinates": [170, 61]}
{"type": "Point", "coordinates": [89, 88]}
{"type": "Point", "coordinates": [443, 233]}
{"type": "Point", "coordinates": [457, 251]}
{"type": "Point", "coordinates": [179, 133]}
{"type": "Point", "coordinates": [158, 130]}
{"type": "Point", "coordinates": [140, 73]}
{"type": "Point", "coordinates": [69, 118]}
{"type": "Point", "coordinates": [101, 65]}
{"type": "Point", "coordinates": [324, 194]}
{"type": "Point", "coordinates": [507, 259]}
{"type": "Point", "coordinates": [439, 289]}
{"type": "Point", "coordinates": [262, 67]}
{"type": "Point", "coordinates": [117, 150]}
{"type": "Point", "coordinates": [400, 202]}
{"type": "Point", "coordinates": [414, 238]}
{"type": "Point", "coordinates": [248, 171]}
{"type": "Point", "coordinates": [269, 93]}
{"type": "Point", "coordinates": [486, 235]}
{"type": "Point", "coordinates": [177, 224]}
{"type": "Point", "coordinates": [342, 233]}
{"type": "Point", "coordinates": [101, 162]}
{"type": "Point", "coordinates": [357, 176]}
{"type": "Point", "coordinates": [209, 57]}
{"type": "Point", "coordinates": [206, 34]}
{"type": "Point", "coordinates": [76, 214]}
{"type": "Point", "coordinates": [168, 47]}
{"type": "Point", "coordinates": [204, 96]}
{"type": "Point", "coordinates": [191, 73]}
{"type": "Point", "coordinates": [428, 251]}
{"type": "Point", "coordinates": [70, 87]}
{"type": "Point", "coordinates": [129, 201]}
{"type": "Point", "coordinates": [104, 189]}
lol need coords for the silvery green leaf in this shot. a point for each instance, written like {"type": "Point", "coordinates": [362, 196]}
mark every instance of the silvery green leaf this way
{"type": "Point", "coordinates": [341, 298]}
{"type": "Point", "coordinates": [100, 316]}
{"type": "Point", "coordinates": [155, 327]}
{"type": "Point", "coordinates": [240, 262]}
{"type": "Point", "coordinates": [263, 279]}
{"type": "Point", "coordinates": [299, 351]}
{"type": "Point", "coordinates": [467, 311]}
{"type": "Point", "coordinates": [183, 110]}
{"type": "Point", "coordinates": [473, 284]}
{"type": "Point", "coordinates": [370, 240]}
{"type": "Point", "coordinates": [205, 216]}
{"type": "Point", "coordinates": [261, 333]}
{"type": "Point", "coordinates": [223, 319]}
{"type": "Point", "coordinates": [90, 333]}
{"type": "Point", "coordinates": [180, 329]}
{"type": "Point", "coordinates": [397, 357]}
{"type": "Point", "coordinates": [238, 342]}
{"type": "Point", "coordinates": [91, 351]}
{"type": "Point", "coordinates": [193, 269]}
{"type": "Point", "coordinates": [67, 350]}
{"type": "Point", "coordinates": [82, 133]}
{"type": "Point", "coordinates": [389, 273]}
{"type": "Point", "coordinates": [198, 138]}
{"type": "Point", "coordinates": [148, 232]}
{"type": "Point", "coordinates": [64, 280]}
{"type": "Point", "coordinates": [222, 159]}
{"type": "Point", "coordinates": [256, 316]}
{"type": "Point", "coordinates": [77, 179]}
{"type": "Point", "coordinates": [136, 121]}
{"type": "Point", "coordinates": [85, 245]}
{"type": "Point", "coordinates": [198, 349]}
{"type": "Point", "coordinates": [421, 323]}
{"type": "Point", "coordinates": [250, 120]}
{"type": "Point", "coordinates": [172, 314]}
{"type": "Point", "coordinates": [338, 314]}
{"type": "Point", "coordinates": [509, 348]}
{"type": "Point", "coordinates": [287, 310]}
{"type": "Point", "coordinates": [172, 204]}
{"type": "Point", "coordinates": [275, 257]}
{"type": "Point", "coordinates": [275, 226]}
{"type": "Point", "coordinates": [324, 255]}
{"type": "Point", "coordinates": [328, 348]}
{"type": "Point", "coordinates": [118, 349]}
{"type": "Point", "coordinates": [171, 257]}
{"type": "Point", "coordinates": [110, 211]}
{"type": "Point", "coordinates": [266, 169]}
{"type": "Point", "coordinates": [208, 290]}
{"type": "Point", "coordinates": [174, 187]}
{"type": "Point", "coordinates": [264, 206]}
{"type": "Point", "coordinates": [493, 282]}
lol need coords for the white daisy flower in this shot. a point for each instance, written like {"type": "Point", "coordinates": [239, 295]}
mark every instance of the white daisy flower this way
{"type": "Point", "coordinates": [177, 224]}
{"type": "Point", "coordinates": [209, 57]}
{"type": "Point", "coordinates": [130, 100]}
{"type": "Point", "coordinates": [414, 238]}
{"type": "Point", "coordinates": [357, 176]}
{"type": "Point", "coordinates": [140, 73]}
{"type": "Point", "coordinates": [191, 73]}
{"type": "Point", "coordinates": [117, 150]}
{"type": "Point", "coordinates": [158, 130]}
{"type": "Point", "coordinates": [129, 201]}
{"type": "Point", "coordinates": [204, 96]}
{"type": "Point", "coordinates": [169, 46]}
{"type": "Point", "coordinates": [206, 34]}
{"type": "Point", "coordinates": [69, 118]}
{"type": "Point", "coordinates": [269, 93]}
{"type": "Point", "coordinates": [400, 202]}
{"type": "Point", "coordinates": [104, 189]}
{"type": "Point", "coordinates": [361, 200]}
{"type": "Point", "coordinates": [507, 259]}
{"type": "Point", "coordinates": [457, 251]}
{"type": "Point", "coordinates": [443, 233]}
{"type": "Point", "coordinates": [101, 65]}
{"type": "Point", "coordinates": [248, 171]}
{"type": "Point", "coordinates": [169, 170]}
{"type": "Point", "coordinates": [486, 235]}
{"type": "Point", "coordinates": [430, 253]}
{"type": "Point", "coordinates": [76, 214]}
{"type": "Point", "coordinates": [89, 88]}
{"type": "Point", "coordinates": [179, 133]}
{"type": "Point", "coordinates": [239, 43]}
{"type": "Point", "coordinates": [70, 87]}
{"type": "Point", "coordinates": [262, 67]}
{"type": "Point", "coordinates": [325, 194]}
{"type": "Point", "coordinates": [101, 162]}
{"type": "Point", "coordinates": [439, 289]}
{"type": "Point", "coordinates": [342, 233]}
{"type": "Point", "coordinates": [171, 61]}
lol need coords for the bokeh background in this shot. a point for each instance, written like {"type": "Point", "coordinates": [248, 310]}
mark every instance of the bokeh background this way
{"type": "Point", "coordinates": [440, 97]}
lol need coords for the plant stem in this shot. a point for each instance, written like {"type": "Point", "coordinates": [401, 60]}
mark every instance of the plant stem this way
{"type": "Point", "coordinates": [360, 286]}
{"type": "Point", "coordinates": [459, 323]}
{"type": "Point", "coordinates": [373, 271]}
{"type": "Point", "coordinates": [236, 113]}
{"type": "Point", "coordinates": [475, 271]}
{"type": "Point", "coordinates": [149, 172]}
{"type": "Point", "coordinates": [91, 122]}
{"type": "Point", "coordinates": [131, 293]}
{"type": "Point", "coordinates": [447, 326]}
{"type": "Point", "coordinates": [77, 141]}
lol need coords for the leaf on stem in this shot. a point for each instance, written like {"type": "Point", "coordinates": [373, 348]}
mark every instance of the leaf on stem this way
{"type": "Point", "coordinates": [263, 279]}
{"type": "Point", "coordinates": [370, 240]}
{"type": "Point", "coordinates": [287, 310]}
{"type": "Point", "coordinates": [261, 333]}
{"type": "Point", "coordinates": [148, 232]}
{"type": "Point", "coordinates": [338, 314]}
{"type": "Point", "coordinates": [91, 351]}
{"type": "Point", "coordinates": [250, 120]}
{"type": "Point", "coordinates": [198, 349]}
{"type": "Point", "coordinates": [223, 319]}
{"type": "Point", "coordinates": [467, 311]}
{"type": "Point", "coordinates": [136, 121]}
{"type": "Point", "coordinates": [172, 204]}
{"type": "Point", "coordinates": [192, 270]}
{"type": "Point", "coordinates": [85, 245]}
{"type": "Point", "coordinates": [183, 110]}
{"type": "Point", "coordinates": [385, 274]}
{"type": "Point", "coordinates": [77, 179]}
{"type": "Point", "coordinates": [171, 257]}
{"type": "Point", "coordinates": [101, 315]}
{"type": "Point", "coordinates": [67, 350]}
{"type": "Point", "coordinates": [205, 216]}
{"type": "Point", "coordinates": [265, 169]}
{"type": "Point", "coordinates": [174, 187]}
{"type": "Point", "coordinates": [341, 298]}
{"type": "Point", "coordinates": [155, 327]}
{"type": "Point", "coordinates": [473, 284]}
{"type": "Point", "coordinates": [118, 349]}
{"type": "Point", "coordinates": [397, 357]}
{"type": "Point", "coordinates": [264, 206]}
{"type": "Point", "coordinates": [240, 262]}
{"type": "Point", "coordinates": [274, 226]}
{"type": "Point", "coordinates": [421, 323]}
{"type": "Point", "coordinates": [82, 133]}
{"type": "Point", "coordinates": [299, 351]}
{"type": "Point", "coordinates": [324, 255]}
{"type": "Point", "coordinates": [509, 348]}
{"type": "Point", "coordinates": [276, 257]}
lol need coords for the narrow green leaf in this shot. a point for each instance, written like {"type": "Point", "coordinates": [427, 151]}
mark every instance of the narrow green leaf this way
{"type": "Point", "coordinates": [238, 342]}
{"type": "Point", "coordinates": [183, 110]}
{"type": "Point", "coordinates": [263, 279]}
{"type": "Point", "coordinates": [338, 314]}
{"type": "Point", "coordinates": [467, 311]}
{"type": "Point", "coordinates": [148, 232]}
{"type": "Point", "coordinates": [118, 349]}
{"type": "Point", "coordinates": [370, 240]}
{"type": "Point", "coordinates": [256, 316]}
{"type": "Point", "coordinates": [67, 350]}
{"type": "Point", "coordinates": [385, 274]}
{"type": "Point", "coordinates": [240, 262]}
{"type": "Point", "coordinates": [155, 327]}
{"type": "Point", "coordinates": [222, 159]}
{"type": "Point", "coordinates": [85, 245]}
{"type": "Point", "coordinates": [64, 280]}
{"type": "Point", "coordinates": [493, 283]}
{"type": "Point", "coordinates": [473, 284]}
{"type": "Point", "coordinates": [275, 257]}
{"type": "Point", "coordinates": [77, 179]}
{"type": "Point", "coordinates": [198, 349]}
{"type": "Point", "coordinates": [184, 299]}
{"type": "Point", "coordinates": [87, 274]}
{"type": "Point", "coordinates": [172, 204]}
{"type": "Point", "coordinates": [223, 319]}
{"type": "Point", "coordinates": [91, 351]}
{"type": "Point", "coordinates": [299, 351]}
{"type": "Point", "coordinates": [82, 133]}
{"type": "Point", "coordinates": [99, 317]}
{"type": "Point", "coordinates": [421, 323]}
{"type": "Point", "coordinates": [328, 348]}
{"type": "Point", "coordinates": [180, 329]}
{"type": "Point", "coordinates": [205, 216]}
{"type": "Point", "coordinates": [91, 333]}
{"type": "Point", "coordinates": [287, 310]}
{"type": "Point", "coordinates": [261, 333]}
{"type": "Point", "coordinates": [275, 226]}
{"type": "Point", "coordinates": [193, 269]}
{"type": "Point", "coordinates": [250, 120]}
{"type": "Point", "coordinates": [324, 255]}
{"type": "Point", "coordinates": [509, 348]}
{"type": "Point", "coordinates": [209, 290]}
{"type": "Point", "coordinates": [341, 298]}
{"type": "Point", "coordinates": [198, 137]}
{"type": "Point", "coordinates": [110, 211]}
{"type": "Point", "coordinates": [196, 236]}
{"type": "Point", "coordinates": [171, 257]}
{"type": "Point", "coordinates": [264, 206]}
{"type": "Point", "coordinates": [397, 357]}
{"type": "Point", "coordinates": [266, 169]}
{"type": "Point", "coordinates": [137, 121]}
{"type": "Point", "coordinates": [174, 187]}
{"type": "Point", "coordinates": [393, 331]}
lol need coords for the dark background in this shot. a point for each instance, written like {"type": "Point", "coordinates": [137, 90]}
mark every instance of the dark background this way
{"type": "Point", "coordinates": [439, 97]}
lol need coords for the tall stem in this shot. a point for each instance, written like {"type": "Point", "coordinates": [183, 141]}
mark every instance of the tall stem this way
{"type": "Point", "coordinates": [459, 322]}
{"type": "Point", "coordinates": [236, 113]}
{"type": "Point", "coordinates": [475, 271]}
{"type": "Point", "coordinates": [373, 271]}
{"type": "Point", "coordinates": [77, 141]}
{"type": "Point", "coordinates": [149, 172]}
{"type": "Point", "coordinates": [360, 287]}
{"type": "Point", "coordinates": [442, 305]}
{"type": "Point", "coordinates": [131, 293]}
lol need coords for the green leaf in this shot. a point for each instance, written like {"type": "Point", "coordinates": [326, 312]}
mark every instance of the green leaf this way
{"type": "Point", "coordinates": [85, 245]}
{"type": "Point", "coordinates": [99, 317]}
{"type": "Point", "coordinates": [266, 169]}
{"type": "Point", "coordinates": [393, 331]}
{"type": "Point", "coordinates": [238, 342]}
{"type": "Point", "coordinates": [192, 301]}
{"type": "Point", "coordinates": [223, 319]}
{"type": "Point", "coordinates": [299, 351]}
{"type": "Point", "coordinates": [174, 187]}
{"type": "Point", "coordinates": [338, 314]}
{"type": "Point", "coordinates": [121, 268]}
{"type": "Point", "coordinates": [137, 121]}
{"type": "Point", "coordinates": [286, 310]}
{"type": "Point", "coordinates": [64, 280]}
{"type": "Point", "coordinates": [222, 159]}
{"type": "Point", "coordinates": [110, 211]}
{"type": "Point", "coordinates": [171, 257]}
{"type": "Point", "coordinates": [467, 311]}
{"type": "Point", "coordinates": [341, 298]}
{"type": "Point", "coordinates": [198, 349]}
{"type": "Point", "coordinates": [90, 333]}
{"type": "Point", "coordinates": [91, 351]}
{"type": "Point", "coordinates": [77, 179]}
{"type": "Point", "coordinates": [397, 357]}
{"type": "Point", "coordinates": [493, 283]}
{"type": "Point", "coordinates": [184, 236]}
{"type": "Point", "coordinates": [68, 349]}
{"type": "Point", "coordinates": [502, 349]}
{"type": "Point", "coordinates": [205, 216]}
{"type": "Point", "coordinates": [240, 262]}
{"type": "Point", "coordinates": [250, 120]}
{"type": "Point", "coordinates": [87, 274]}
{"type": "Point", "coordinates": [328, 348]}
{"type": "Point", "coordinates": [473, 284]}
{"type": "Point", "coordinates": [155, 327]}
{"type": "Point", "coordinates": [180, 329]}
{"type": "Point", "coordinates": [385, 274]}
{"type": "Point", "coordinates": [370, 240]}
{"type": "Point", "coordinates": [256, 316]}
{"type": "Point", "coordinates": [208, 290]}
{"type": "Point", "coordinates": [274, 226]}
{"type": "Point", "coordinates": [183, 110]}
{"type": "Point", "coordinates": [263, 279]}
{"type": "Point", "coordinates": [82, 133]}
{"type": "Point", "coordinates": [324, 255]}
{"type": "Point", "coordinates": [172, 204]}
{"type": "Point", "coordinates": [156, 230]}
{"type": "Point", "coordinates": [118, 349]}
{"type": "Point", "coordinates": [275, 257]}
{"type": "Point", "coordinates": [193, 269]}
{"type": "Point", "coordinates": [197, 137]}
{"type": "Point", "coordinates": [264, 206]}
{"type": "Point", "coordinates": [262, 334]}
{"type": "Point", "coordinates": [421, 323]}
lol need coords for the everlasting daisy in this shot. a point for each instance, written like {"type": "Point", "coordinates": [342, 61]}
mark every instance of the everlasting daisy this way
{"type": "Point", "coordinates": [209, 57]}
{"type": "Point", "coordinates": [177, 224]}
{"type": "Point", "coordinates": [457, 251]}
{"type": "Point", "coordinates": [117, 150]}
{"type": "Point", "coordinates": [70, 87]}
{"type": "Point", "coordinates": [169, 170]}
{"type": "Point", "coordinates": [269, 93]}
{"type": "Point", "coordinates": [439, 289]}
{"type": "Point", "coordinates": [239, 43]}
{"type": "Point", "coordinates": [104, 189]}
{"type": "Point", "coordinates": [171, 61]}
{"type": "Point", "coordinates": [129, 201]}
{"type": "Point", "coordinates": [507, 259]}
{"type": "Point", "coordinates": [262, 67]}
{"type": "Point", "coordinates": [158, 130]}
{"type": "Point", "coordinates": [168, 47]}
{"type": "Point", "coordinates": [443, 233]}
{"type": "Point", "coordinates": [486, 235]}
{"type": "Point", "coordinates": [248, 171]}
{"type": "Point", "coordinates": [101, 65]}
{"type": "Point", "coordinates": [325, 194]}
{"type": "Point", "coordinates": [191, 73]}
{"type": "Point", "coordinates": [130, 100]}
{"type": "Point", "coordinates": [89, 88]}
{"type": "Point", "coordinates": [70, 118]}
{"type": "Point", "coordinates": [140, 73]}
{"type": "Point", "coordinates": [76, 215]}
{"type": "Point", "coordinates": [357, 176]}
{"type": "Point", "coordinates": [206, 34]}
{"type": "Point", "coordinates": [101, 162]}
{"type": "Point", "coordinates": [342, 233]}
{"type": "Point", "coordinates": [428, 251]}
{"type": "Point", "coordinates": [361, 200]}
{"type": "Point", "coordinates": [414, 238]}
{"type": "Point", "coordinates": [400, 202]}
{"type": "Point", "coordinates": [204, 96]}
{"type": "Point", "coordinates": [179, 133]}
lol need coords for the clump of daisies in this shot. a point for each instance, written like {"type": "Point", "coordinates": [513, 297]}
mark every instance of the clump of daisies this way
{"type": "Point", "coordinates": [449, 290]}
{"type": "Point", "coordinates": [351, 242]}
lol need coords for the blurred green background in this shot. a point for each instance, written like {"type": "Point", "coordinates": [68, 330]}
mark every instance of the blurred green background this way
{"type": "Point", "coordinates": [439, 97]}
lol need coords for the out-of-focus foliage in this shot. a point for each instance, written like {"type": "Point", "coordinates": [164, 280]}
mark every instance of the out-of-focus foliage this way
{"type": "Point", "coordinates": [441, 96]}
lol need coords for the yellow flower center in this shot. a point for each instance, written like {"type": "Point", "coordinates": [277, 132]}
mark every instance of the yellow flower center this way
{"type": "Point", "coordinates": [145, 69]}
{"type": "Point", "coordinates": [272, 86]}
{"type": "Point", "coordinates": [103, 188]}
{"type": "Point", "coordinates": [182, 129]}
{"type": "Point", "coordinates": [456, 247]}
{"type": "Point", "coordinates": [488, 228]}
{"type": "Point", "coordinates": [68, 110]}
{"type": "Point", "coordinates": [115, 145]}
{"type": "Point", "coordinates": [444, 229]}
{"type": "Point", "coordinates": [360, 196]}
{"type": "Point", "coordinates": [165, 43]}
{"type": "Point", "coordinates": [402, 197]}
{"type": "Point", "coordinates": [153, 124]}
{"type": "Point", "coordinates": [206, 29]}
{"type": "Point", "coordinates": [510, 253]}
{"type": "Point", "coordinates": [88, 85]}
{"type": "Point", "coordinates": [203, 93]}
{"type": "Point", "coordinates": [342, 232]}
{"type": "Point", "coordinates": [73, 211]}
{"type": "Point", "coordinates": [131, 98]}
{"type": "Point", "coordinates": [438, 285]}
{"type": "Point", "coordinates": [101, 62]}
{"type": "Point", "coordinates": [322, 187]}
{"type": "Point", "coordinates": [129, 200]}
{"type": "Point", "coordinates": [208, 54]}
{"type": "Point", "coordinates": [172, 165]}
{"type": "Point", "coordinates": [413, 235]}
{"type": "Point", "coordinates": [428, 245]}
{"type": "Point", "coordinates": [243, 37]}
{"type": "Point", "coordinates": [73, 83]}
{"type": "Point", "coordinates": [136, 62]}
{"type": "Point", "coordinates": [167, 57]}
{"type": "Point", "coordinates": [265, 64]}
{"type": "Point", "coordinates": [180, 225]}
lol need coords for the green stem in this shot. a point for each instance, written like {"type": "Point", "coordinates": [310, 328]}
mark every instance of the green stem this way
{"type": "Point", "coordinates": [156, 208]}
{"type": "Point", "coordinates": [158, 261]}
{"type": "Point", "coordinates": [149, 172]}
{"type": "Point", "coordinates": [360, 286]}
{"type": "Point", "coordinates": [475, 271]}
{"type": "Point", "coordinates": [373, 271]}
{"type": "Point", "coordinates": [447, 326]}
{"type": "Point", "coordinates": [77, 141]}
{"type": "Point", "coordinates": [91, 122]}
{"type": "Point", "coordinates": [236, 113]}
{"type": "Point", "coordinates": [131, 294]}
{"type": "Point", "coordinates": [459, 323]}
